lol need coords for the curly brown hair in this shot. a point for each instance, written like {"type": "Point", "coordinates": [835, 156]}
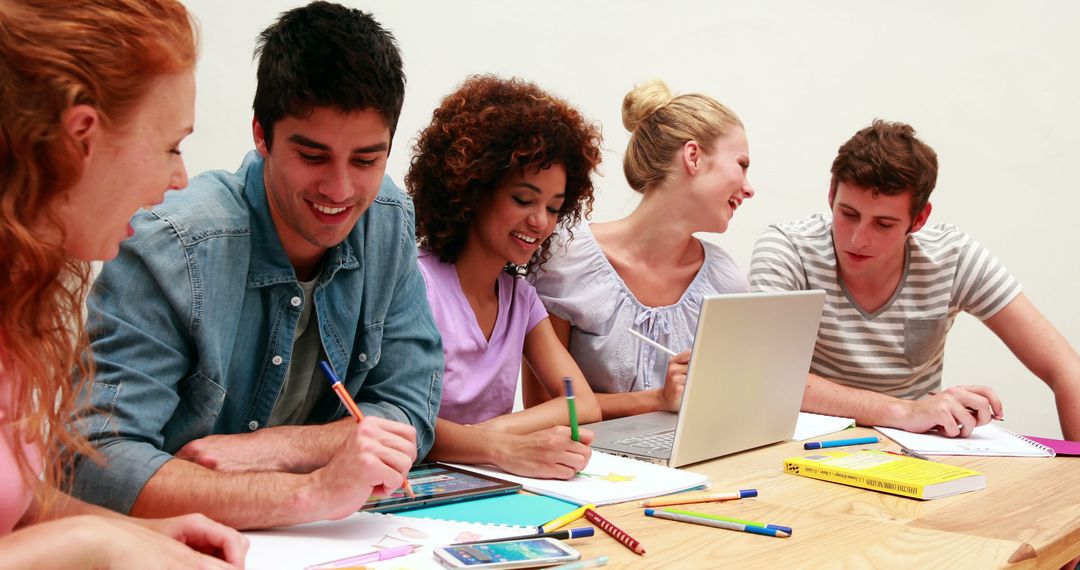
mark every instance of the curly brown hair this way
{"type": "Point", "coordinates": [480, 132]}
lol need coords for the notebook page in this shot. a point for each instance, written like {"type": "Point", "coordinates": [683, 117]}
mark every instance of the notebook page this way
{"type": "Point", "coordinates": [987, 440]}
{"type": "Point", "coordinates": [607, 479]}
{"type": "Point", "coordinates": [313, 543]}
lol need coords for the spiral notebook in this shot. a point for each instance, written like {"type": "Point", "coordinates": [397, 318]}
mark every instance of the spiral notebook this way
{"type": "Point", "coordinates": [989, 440]}
{"type": "Point", "coordinates": [313, 544]}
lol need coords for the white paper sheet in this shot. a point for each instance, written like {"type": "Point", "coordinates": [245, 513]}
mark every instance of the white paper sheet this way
{"type": "Point", "coordinates": [817, 425]}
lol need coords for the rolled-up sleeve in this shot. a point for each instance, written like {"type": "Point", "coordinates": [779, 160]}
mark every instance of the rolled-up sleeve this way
{"type": "Point", "coordinates": [140, 353]}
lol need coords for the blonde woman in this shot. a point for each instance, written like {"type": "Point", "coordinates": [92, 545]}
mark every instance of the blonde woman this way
{"type": "Point", "coordinates": [688, 158]}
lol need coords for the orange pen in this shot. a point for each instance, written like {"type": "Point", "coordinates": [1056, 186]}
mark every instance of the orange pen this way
{"type": "Point", "coordinates": [350, 404]}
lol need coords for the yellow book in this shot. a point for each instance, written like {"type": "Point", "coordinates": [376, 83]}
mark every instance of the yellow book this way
{"type": "Point", "coordinates": [879, 471]}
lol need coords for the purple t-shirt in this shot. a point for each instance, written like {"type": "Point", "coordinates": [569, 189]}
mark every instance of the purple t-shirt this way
{"type": "Point", "coordinates": [481, 374]}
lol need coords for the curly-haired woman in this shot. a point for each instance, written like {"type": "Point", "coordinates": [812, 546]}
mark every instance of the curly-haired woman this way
{"type": "Point", "coordinates": [95, 98]}
{"type": "Point", "coordinates": [501, 165]}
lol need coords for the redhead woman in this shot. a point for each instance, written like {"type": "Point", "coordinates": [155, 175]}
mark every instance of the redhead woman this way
{"type": "Point", "coordinates": [95, 98]}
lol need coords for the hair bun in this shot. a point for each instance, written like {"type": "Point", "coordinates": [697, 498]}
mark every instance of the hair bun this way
{"type": "Point", "coordinates": [644, 100]}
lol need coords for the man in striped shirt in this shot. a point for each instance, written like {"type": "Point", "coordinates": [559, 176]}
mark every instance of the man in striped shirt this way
{"type": "Point", "coordinates": [893, 287]}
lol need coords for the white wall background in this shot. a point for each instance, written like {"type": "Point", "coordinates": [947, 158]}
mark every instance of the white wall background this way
{"type": "Point", "coordinates": [993, 86]}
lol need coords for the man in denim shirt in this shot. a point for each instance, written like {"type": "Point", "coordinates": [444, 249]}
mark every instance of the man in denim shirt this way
{"type": "Point", "coordinates": [208, 326]}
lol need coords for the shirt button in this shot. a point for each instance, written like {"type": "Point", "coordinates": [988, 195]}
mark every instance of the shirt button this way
{"type": "Point", "coordinates": [253, 425]}
{"type": "Point", "coordinates": [295, 301]}
{"type": "Point", "coordinates": [362, 357]}
{"type": "Point", "coordinates": [277, 360]}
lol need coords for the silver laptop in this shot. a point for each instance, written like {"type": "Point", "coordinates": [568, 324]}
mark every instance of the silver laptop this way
{"type": "Point", "coordinates": [744, 387]}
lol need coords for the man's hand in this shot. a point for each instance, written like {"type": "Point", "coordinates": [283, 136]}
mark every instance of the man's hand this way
{"type": "Point", "coordinates": [954, 412]}
{"type": "Point", "coordinates": [375, 459]}
{"type": "Point", "coordinates": [675, 383]}
{"type": "Point", "coordinates": [291, 449]}
{"type": "Point", "coordinates": [257, 451]}
{"type": "Point", "coordinates": [548, 453]}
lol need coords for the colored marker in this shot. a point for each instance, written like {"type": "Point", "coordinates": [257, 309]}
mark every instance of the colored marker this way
{"type": "Point", "coordinates": [384, 554]}
{"type": "Point", "coordinates": [703, 497]}
{"type": "Point", "coordinates": [566, 534]}
{"type": "Point", "coordinates": [696, 518]}
{"type": "Point", "coordinates": [840, 442]}
{"type": "Point", "coordinates": [566, 519]}
{"type": "Point", "coordinates": [350, 404]}
{"type": "Point", "coordinates": [651, 342]}
{"type": "Point", "coordinates": [569, 384]}
{"type": "Point", "coordinates": [582, 564]}
{"type": "Point", "coordinates": [786, 529]}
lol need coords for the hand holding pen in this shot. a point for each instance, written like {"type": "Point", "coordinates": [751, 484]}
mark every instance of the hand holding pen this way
{"type": "Point", "coordinates": [377, 455]}
{"type": "Point", "coordinates": [953, 412]}
{"type": "Point", "coordinates": [670, 395]}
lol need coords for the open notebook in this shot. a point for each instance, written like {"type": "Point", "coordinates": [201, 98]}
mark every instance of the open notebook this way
{"type": "Point", "coordinates": [607, 479]}
{"type": "Point", "coordinates": [309, 544]}
{"type": "Point", "coordinates": [990, 440]}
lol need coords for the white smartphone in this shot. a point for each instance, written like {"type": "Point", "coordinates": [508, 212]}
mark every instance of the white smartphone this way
{"type": "Point", "coordinates": [526, 553]}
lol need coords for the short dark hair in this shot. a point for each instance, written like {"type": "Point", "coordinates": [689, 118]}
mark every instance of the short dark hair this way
{"type": "Point", "coordinates": [888, 159]}
{"type": "Point", "coordinates": [487, 128]}
{"type": "Point", "coordinates": [327, 55]}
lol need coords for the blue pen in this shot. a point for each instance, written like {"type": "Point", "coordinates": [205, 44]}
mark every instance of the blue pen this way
{"type": "Point", "coordinates": [840, 442]}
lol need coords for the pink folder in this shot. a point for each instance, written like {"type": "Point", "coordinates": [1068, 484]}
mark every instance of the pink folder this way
{"type": "Point", "coordinates": [1060, 446]}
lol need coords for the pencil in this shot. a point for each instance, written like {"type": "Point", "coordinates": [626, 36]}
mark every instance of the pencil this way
{"type": "Point", "coordinates": [619, 535]}
{"type": "Point", "coordinates": [696, 518]}
{"type": "Point", "coordinates": [786, 529]}
{"type": "Point", "coordinates": [652, 342]}
{"type": "Point", "coordinates": [705, 497]}
{"type": "Point", "coordinates": [350, 404]}
{"type": "Point", "coordinates": [568, 382]}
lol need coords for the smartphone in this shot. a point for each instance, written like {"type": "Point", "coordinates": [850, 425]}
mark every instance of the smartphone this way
{"type": "Point", "coordinates": [527, 553]}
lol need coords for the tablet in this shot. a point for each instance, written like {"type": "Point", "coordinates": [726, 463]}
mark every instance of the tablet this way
{"type": "Point", "coordinates": [435, 484]}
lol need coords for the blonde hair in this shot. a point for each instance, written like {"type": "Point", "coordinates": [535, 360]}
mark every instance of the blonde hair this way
{"type": "Point", "coordinates": [661, 123]}
{"type": "Point", "coordinates": [55, 54]}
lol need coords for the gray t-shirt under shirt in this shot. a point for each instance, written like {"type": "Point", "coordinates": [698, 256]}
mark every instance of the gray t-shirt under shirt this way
{"type": "Point", "coordinates": [303, 386]}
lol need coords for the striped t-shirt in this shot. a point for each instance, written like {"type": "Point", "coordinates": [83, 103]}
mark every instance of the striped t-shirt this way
{"type": "Point", "coordinates": [899, 349]}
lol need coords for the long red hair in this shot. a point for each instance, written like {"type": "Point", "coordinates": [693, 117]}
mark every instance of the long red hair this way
{"type": "Point", "coordinates": [55, 54]}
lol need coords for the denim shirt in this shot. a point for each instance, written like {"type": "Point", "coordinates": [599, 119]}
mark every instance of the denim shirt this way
{"type": "Point", "coordinates": [192, 328]}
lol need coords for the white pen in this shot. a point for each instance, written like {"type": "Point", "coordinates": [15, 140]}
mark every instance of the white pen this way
{"type": "Point", "coordinates": [580, 564]}
{"type": "Point", "coordinates": [652, 342]}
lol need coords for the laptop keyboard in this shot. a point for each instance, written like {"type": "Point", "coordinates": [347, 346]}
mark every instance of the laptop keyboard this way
{"type": "Point", "coordinates": [650, 441]}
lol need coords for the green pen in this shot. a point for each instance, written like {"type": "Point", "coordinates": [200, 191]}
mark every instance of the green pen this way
{"type": "Point", "coordinates": [729, 519]}
{"type": "Point", "coordinates": [568, 382]}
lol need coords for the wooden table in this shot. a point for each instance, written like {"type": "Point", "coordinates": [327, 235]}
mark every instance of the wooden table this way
{"type": "Point", "coordinates": [1027, 517]}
